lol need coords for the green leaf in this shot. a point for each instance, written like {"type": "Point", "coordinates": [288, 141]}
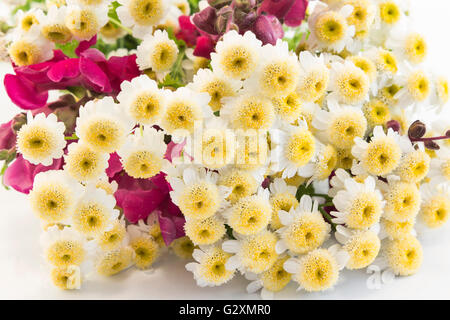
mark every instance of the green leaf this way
{"type": "Point", "coordinates": [170, 81]}
{"type": "Point", "coordinates": [194, 5]}
{"type": "Point", "coordinates": [69, 48]}
{"type": "Point", "coordinates": [304, 189]}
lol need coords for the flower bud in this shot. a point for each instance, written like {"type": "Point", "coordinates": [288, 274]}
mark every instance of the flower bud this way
{"type": "Point", "coordinates": [205, 20]}
{"type": "Point", "coordinates": [245, 5]}
{"type": "Point", "coordinates": [394, 125]}
{"type": "Point", "coordinates": [223, 18]}
{"type": "Point", "coordinates": [217, 4]}
{"type": "Point", "coordinates": [268, 29]}
{"type": "Point", "coordinates": [430, 144]}
{"type": "Point", "coordinates": [417, 130]}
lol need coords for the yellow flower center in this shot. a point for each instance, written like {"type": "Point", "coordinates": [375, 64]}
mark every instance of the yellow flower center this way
{"type": "Point", "coordinates": [51, 202]}
{"type": "Point", "coordinates": [57, 33]}
{"type": "Point", "coordinates": [319, 271]}
{"type": "Point", "coordinates": [376, 112]}
{"type": "Point", "coordinates": [146, 12]}
{"type": "Point", "coordinates": [363, 248]}
{"type": "Point", "coordinates": [300, 147]}
{"type": "Point", "coordinates": [65, 278]}
{"type": "Point", "coordinates": [330, 27]}
{"type": "Point", "coordinates": [212, 268]}
{"type": "Point", "coordinates": [28, 21]}
{"type": "Point", "coordinates": [237, 62]}
{"type": "Point", "coordinates": [142, 164]}
{"type": "Point", "coordinates": [442, 89]}
{"type": "Point", "coordinates": [276, 278]}
{"type": "Point", "coordinates": [146, 250]}
{"type": "Point", "coordinates": [24, 53]}
{"type": "Point", "coordinates": [352, 85]}
{"type": "Point", "coordinates": [416, 48]}
{"type": "Point", "coordinates": [250, 215]}
{"type": "Point", "coordinates": [404, 255]}
{"type": "Point", "coordinates": [146, 108]}
{"type": "Point", "coordinates": [84, 164]}
{"type": "Point", "coordinates": [200, 200]}
{"type": "Point", "coordinates": [183, 247]}
{"type": "Point", "coordinates": [204, 232]}
{"type": "Point", "coordinates": [364, 211]}
{"type": "Point", "coordinates": [111, 239]}
{"type": "Point", "coordinates": [278, 79]}
{"type": "Point", "coordinates": [64, 253]}
{"type": "Point", "coordinates": [313, 85]}
{"type": "Point", "coordinates": [281, 201]}
{"type": "Point", "coordinates": [258, 252]}
{"type": "Point", "coordinates": [419, 86]}
{"type": "Point", "coordinates": [163, 56]}
{"type": "Point", "coordinates": [414, 166]}
{"type": "Point", "coordinates": [382, 156]}
{"type": "Point", "coordinates": [241, 183]}
{"type": "Point", "coordinates": [253, 113]}
{"type": "Point", "coordinates": [306, 233]}
{"type": "Point", "coordinates": [112, 262]}
{"type": "Point", "coordinates": [289, 107]}
{"type": "Point", "coordinates": [82, 24]}
{"type": "Point", "coordinates": [389, 12]}
{"type": "Point", "coordinates": [104, 135]}
{"type": "Point", "coordinates": [398, 229]}
{"type": "Point", "coordinates": [435, 212]}
{"type": "Point", "coordinates": [345, 127]}
{"type": "Point", "coordinates": [90, 218]}
{"type": "Point", "coordinates": [181, 115]}
{"type": "Point", "coordinates": [217, 89]}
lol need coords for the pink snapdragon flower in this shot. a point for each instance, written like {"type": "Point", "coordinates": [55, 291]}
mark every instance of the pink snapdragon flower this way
{"type": "Point", "coordinates": [290, 12]}
{"type": "Point", "coordinates": [29, 87]}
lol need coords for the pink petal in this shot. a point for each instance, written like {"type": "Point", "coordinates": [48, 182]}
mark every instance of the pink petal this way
{"type": "Point", "coordinates": [64, 69]}
{"type": "Point", "coordinates": [24, 93]}
{"type": "Point", "coordinates": [114, 165]}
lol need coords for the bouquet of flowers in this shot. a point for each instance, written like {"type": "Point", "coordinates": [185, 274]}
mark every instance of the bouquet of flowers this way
{"type": "Point", "coordinates": [280, 140]}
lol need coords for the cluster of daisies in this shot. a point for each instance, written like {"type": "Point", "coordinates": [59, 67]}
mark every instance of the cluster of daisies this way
{"type": "Point", "coordinates": [58, 22]}
{"type": "Point", "coordinates": [289, 165]}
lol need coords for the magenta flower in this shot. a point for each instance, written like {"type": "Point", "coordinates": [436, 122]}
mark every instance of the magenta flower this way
{"type": "Point", "coordinates": [268, 29]}
{"type": "Point", "coordinates": [290, 12]}
{"type": "Point", "coordinates": [29, 87]}
{"type": "Point", "coordinates": [20, 174]}
{"type": "Point", "coordinates": [7, 136]}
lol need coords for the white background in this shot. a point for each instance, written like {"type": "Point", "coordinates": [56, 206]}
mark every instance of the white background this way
{"type": "Point", "coordinates": [22, 275]}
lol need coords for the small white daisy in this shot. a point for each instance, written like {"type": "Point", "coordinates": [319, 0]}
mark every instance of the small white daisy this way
{"type": "Point", "coordinates": [103, 125]}
{"type": "Point", "coordinates": [41, 139]}
{"type": "Point", "coordinates": [314, 77]}
{"type": "Point", "coordinates": [158, 53]}
{"type": "Point", "coordinates": [359, 205]}
{"type": "Point", "coordinates": [142, 15]}
{"type": "Point", "coordinates": [84, 22]}
{"type": "Point", "coordinates": [237, 56]}
{"type": "Point", "coordinates": [143, 101]}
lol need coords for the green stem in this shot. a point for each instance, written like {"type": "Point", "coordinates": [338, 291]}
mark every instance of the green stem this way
{"type": "Point", "coordinates": [72, 137]}
{"type": "Point", "coordinates": [329, 219]}
{"type": "Point", "coordinates": [120, 25]}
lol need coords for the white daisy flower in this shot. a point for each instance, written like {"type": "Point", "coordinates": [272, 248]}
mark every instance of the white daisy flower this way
{"type": "Point", "coordinates": [53, 26]}
{"type": "Point", "coordinates": [337, 181]}
{"type": "Point", "coordinates": [184, 109]}
{"type": "Point", "coordinates": [85, 164]}
{"type": "Point", "coordinates": [348, 84]}
{"type": "Point", "coordinates": [271, 281]}
{"type": "Point", "coordinates": [103, 125]}
{"type": "Point", "coordinates": [340, 125]}
{"type": "Point", "coordinates": [304, 229]}
{"type": "Point", "coordinates": [197, 193]}
{"type": "Point", "coordinates": [362, 246]}
{"type": "Point", "coordinates": [84, 22]}
{"type": "Point", "coordinates": [158, 53]}
{"type": "Point", "coordinates": [406, 44]}
{"type": "Point", "coordinates": [54, 195]}
{"type": "Point", "coordinates": [359, 205]}
{"type": "Point", "coordinates": [95, 212]}
{"type": "Point", "coordinates": [387, 65]}
{"type": "Point", "coordinates": [416, 88]}
{"type": "Point", "coordinates": [319, 269]}
{"type": "Point", "coordinates": [295, 148]}
{"type": "Point", "coordinates": [146, 248]}
{"type": "Point", "coordinates": [399, 257]}
{"type": "Point", "coordinates": [41, 139]}
{"type": "Point", "coordinates": [314, 77]}
{"type": "Point", "coordinates": [251, 214]}
{"type": "Point", "coordinates": [143, 101]}
{"type": "Point", "coordinates": [440, 94]}
{"type": "Point", "coordinates": [255, 253]}
{"type": "Point", "coordinates": [142, 15]}
{"type": "Point", "coordinates": [389, 13]}
{"type": "Point", "coordinates": [65, 247]}
{"type": "Point", "coordinates": [329, 28]}
{"type": "Point", "coordinates": [435, 209]}
{"type": "Point", "coordinates": [237, 56]}
{"type": "Point", "coordinates": [210, 267]}
{"type": "Point", "coordinates": [25, 20]}
{"type": "Point", "coordinates": [282, 197]}
{"type": "Point", "coordinates": [30, 47]}
{"type": "Point", "coordinates": [216, 85]}
{"type": "Point", "coordinates": [277, 72]}
{"type": "Point", "coordinates": [142, 154]}
{"type": "Point", "coordinates": [382, 154]}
